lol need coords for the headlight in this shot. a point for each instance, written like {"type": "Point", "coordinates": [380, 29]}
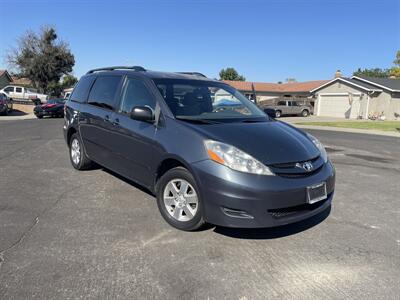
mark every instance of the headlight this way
{"type": "Point", "coordinates": [234, 158]}
{"type": "Point", "coordinates": [320, 147]}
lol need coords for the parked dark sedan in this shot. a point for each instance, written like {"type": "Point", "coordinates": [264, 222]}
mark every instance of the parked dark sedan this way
{"type": "Point", "coordinates": [6, 104]}
{"type": "Point", "coordinates": [53, 108]}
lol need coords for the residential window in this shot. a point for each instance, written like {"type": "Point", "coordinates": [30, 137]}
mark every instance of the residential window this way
{"type": "Point", "coordinates": [103, 91]}
{"type": "Point", "coordinates": [136, 94]}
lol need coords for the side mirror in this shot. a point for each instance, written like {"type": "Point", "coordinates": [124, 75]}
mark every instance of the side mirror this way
{"type": "Point", "coordinates": [142, 113]}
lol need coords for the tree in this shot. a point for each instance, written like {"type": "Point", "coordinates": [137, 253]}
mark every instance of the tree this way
{"type": "Point", "coordinates": [69, 81]}
{"type": "Point", "coordinates": [230, 74]}
{"type": "Point", "coordinates": [397, 60]}
{"type": "Point", "coordinates": [395, 71]}
{"type": "Point", "coordinates": [42, 57]}
{"type": "Point", "coordinates": [375, 72]}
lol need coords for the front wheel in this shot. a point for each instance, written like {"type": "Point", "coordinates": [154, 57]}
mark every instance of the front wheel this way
{"type": "Point", "coordinates": [179, 201]}
{"type": "Point", "coordinates": [278, 114]}
{"type": "Point", "coordinates": [304, 113]}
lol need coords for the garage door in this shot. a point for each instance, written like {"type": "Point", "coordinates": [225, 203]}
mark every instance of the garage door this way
{"type": "Point", "coordinates": [339, 106]}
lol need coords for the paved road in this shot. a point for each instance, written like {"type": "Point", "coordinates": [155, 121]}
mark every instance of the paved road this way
{"type": "Point", "coordinates": [70, 234]}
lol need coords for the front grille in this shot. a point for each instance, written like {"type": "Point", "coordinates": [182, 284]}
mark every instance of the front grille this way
{"type": "Point", "coordinates": [299, 175]}
{"type": "Point", "coordinates": [288, 211]}
{"type": "Point", "coordinates": [292, 164]}
{"type": "Point", "coordinates": [289, 170]}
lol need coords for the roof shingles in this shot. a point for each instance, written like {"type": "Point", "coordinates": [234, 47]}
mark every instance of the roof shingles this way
{"type": "Point", "coordinates": [298, 87]}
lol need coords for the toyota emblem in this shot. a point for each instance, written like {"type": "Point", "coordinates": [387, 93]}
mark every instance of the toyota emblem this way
{"type": "Point", "coordinates": [307, 166]}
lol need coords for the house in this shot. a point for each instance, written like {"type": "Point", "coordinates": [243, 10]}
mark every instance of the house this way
{"type": "Point", "coordinates": [271, 93]}
{"type": "Point", "coordinates": [358, 97]}
{"type": "Point", "coordinates": [21, 81]}
{"type": "Point", "coordinates": [5, 78]}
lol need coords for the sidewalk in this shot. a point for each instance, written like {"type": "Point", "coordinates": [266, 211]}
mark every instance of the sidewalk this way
{"type": "Point", "coordinates": [294, 120]}
{"type": "Point", "coordinates": [17, 115]}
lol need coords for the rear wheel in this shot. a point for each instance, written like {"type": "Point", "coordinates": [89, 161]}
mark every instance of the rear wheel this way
{"type": "Point", "coordinates": [78, 158]}
{"type": "Point", "coordinates": [278, 114]}
{"type": "Point", "coordinates": [179, 201]}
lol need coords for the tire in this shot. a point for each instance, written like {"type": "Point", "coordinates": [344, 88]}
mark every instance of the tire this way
{"type": "Point", "coordinates": [39, 117]}
{"type": "Point", "coordinates": [77, 155]}
{"type": "Point", "coordinates": [278, 114]}
{"type": "Point", "coordinates": [305, 113]}
{"type": "Point", "coordinates": [184, 213]}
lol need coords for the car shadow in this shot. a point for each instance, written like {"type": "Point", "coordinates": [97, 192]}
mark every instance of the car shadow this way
{"type": "Point", "coordinates": [17, 113]}
{"type": "Point", "coordinates": [274, 232]}
{"type": "Point", "coordinates": [126, 180]}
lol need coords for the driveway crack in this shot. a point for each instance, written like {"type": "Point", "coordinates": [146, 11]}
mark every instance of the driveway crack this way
{"type": "Point", "coordinates": [30, 228]}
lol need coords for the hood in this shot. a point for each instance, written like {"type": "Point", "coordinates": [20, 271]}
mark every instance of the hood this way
{"type": "Point", "coordinates": [269, 142]}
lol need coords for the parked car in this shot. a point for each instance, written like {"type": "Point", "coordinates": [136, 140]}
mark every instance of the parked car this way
{"type": "Point", "coordinates": [23, 93]}
{"type": "Point", "coordinates": [288, 107]}
{"type": "Point", "coordinates": [231, 165]}
{"type": "Point", "coordinates": [53, 108]}
{"type": "Point", "coordinates": [6, 104]}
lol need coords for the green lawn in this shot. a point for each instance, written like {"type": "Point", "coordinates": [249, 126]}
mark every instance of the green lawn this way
{"type": "Point", "coordinates": [377, 125]}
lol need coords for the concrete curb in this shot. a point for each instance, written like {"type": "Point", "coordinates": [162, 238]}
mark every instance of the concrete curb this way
{"type": "Point", "coordinates": [351, 130]}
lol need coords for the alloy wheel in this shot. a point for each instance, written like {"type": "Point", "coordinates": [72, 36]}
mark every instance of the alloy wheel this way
{"type": "Point", "coordinates": [75, 151]}
{"type": "Point", "coordinates": [180, 200]}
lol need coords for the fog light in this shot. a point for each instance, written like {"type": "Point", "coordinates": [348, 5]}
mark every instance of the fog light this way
{"type": "Point", "coordinates": [235, 213]}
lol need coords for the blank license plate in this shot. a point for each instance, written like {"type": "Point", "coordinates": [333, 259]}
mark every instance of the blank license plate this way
{"type": "Point", "coordinates": [316, 193]}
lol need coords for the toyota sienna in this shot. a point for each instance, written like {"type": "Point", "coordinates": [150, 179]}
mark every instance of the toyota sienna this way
{"type": "Point", "coordinates": [206, 151]}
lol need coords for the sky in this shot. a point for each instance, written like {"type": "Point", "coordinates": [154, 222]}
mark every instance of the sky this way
{"type": "Point", "coordinates": [266, 41]}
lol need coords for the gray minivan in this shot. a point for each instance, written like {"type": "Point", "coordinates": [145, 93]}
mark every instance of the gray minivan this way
{"type": "Point", "coordinates": [206, 151]}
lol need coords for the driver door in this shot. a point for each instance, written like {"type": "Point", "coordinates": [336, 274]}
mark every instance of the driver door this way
{"type": "Point", "coordinates": [134, 141]}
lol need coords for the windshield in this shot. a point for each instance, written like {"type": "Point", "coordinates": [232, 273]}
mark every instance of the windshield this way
{"type": "Point", "coordinates": [202, 100]}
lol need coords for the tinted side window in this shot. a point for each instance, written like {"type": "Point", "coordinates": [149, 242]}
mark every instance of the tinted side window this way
{"type": "Point", "coordinates": [282, 103]}
{"type": "Point", "coordinates": [135, 94]}
{"type": "Point", "coordinates": [103, 91]}
{"type": "Point", "coordinates": [81, 90]}
{"type": "Point", "coordinates": [18, 90]}
{"type": "Point", "coordinates": [9, 89]}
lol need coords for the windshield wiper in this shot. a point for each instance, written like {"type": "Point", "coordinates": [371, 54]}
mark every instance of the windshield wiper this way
{"type": "Point", "coordinates": [198, 121]}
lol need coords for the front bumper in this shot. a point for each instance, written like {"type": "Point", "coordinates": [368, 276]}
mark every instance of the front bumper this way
{"type": "Point", "coordinates": [236, 199]}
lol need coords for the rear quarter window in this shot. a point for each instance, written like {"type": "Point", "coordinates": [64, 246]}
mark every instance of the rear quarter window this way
{"type": "Point", "coordinates": [81, 91]}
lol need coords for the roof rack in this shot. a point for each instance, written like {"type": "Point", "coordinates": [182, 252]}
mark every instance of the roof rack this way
{"type": "Point", "coordinates": [134, 68]}
{"type": "Point", "coordinates": [193, 73]}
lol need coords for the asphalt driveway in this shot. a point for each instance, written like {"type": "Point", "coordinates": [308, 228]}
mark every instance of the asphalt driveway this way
{"type": "Point", "coordinates": [69, 234]}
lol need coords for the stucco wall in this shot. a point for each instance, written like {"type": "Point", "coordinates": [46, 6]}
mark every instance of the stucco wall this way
{"type": "Point", "coordinates": [386, 102]}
